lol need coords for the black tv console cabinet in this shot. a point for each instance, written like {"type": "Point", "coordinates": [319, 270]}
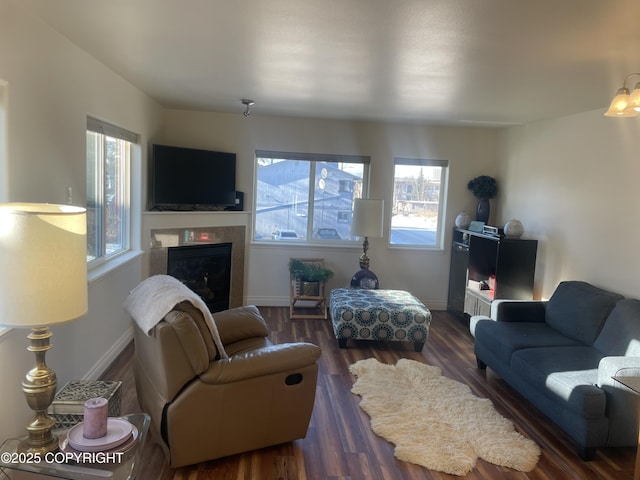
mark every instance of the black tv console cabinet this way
{"type": "Point", "coordinates": [489, 267]}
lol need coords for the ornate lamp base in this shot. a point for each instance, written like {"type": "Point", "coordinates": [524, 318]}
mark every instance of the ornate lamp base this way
{"type": "Point", "coordinates": [39, 387]}
{"type": "Point", "coordinates": [365, 278]}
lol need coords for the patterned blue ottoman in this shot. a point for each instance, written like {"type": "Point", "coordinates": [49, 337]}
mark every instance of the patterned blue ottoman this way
{"type": "Point", "coordinates": [362, 314]}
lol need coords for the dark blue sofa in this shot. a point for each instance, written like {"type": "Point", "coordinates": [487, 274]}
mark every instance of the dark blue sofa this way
{"type": "Point", "coordinates": [561, 355]}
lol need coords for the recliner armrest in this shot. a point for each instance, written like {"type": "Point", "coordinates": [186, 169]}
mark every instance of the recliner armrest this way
{"type": "Point", "coordinates": [285, 357]}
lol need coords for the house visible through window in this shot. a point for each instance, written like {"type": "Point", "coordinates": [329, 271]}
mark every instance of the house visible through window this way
{"type": "Point", "coordinates": [108, 192]}
{"type": "Point", "coordinates": [307, 197]}
{"type": "Point", "coordinates": [418, 202]}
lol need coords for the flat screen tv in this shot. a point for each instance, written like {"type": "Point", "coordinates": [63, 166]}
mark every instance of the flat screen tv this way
{"type": "Point", "coordinates": [191, 179]}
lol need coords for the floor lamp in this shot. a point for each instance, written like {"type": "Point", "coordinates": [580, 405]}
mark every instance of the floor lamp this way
{"type": "Point", "coordinates": [367, 221]}
{"type": "Point", "coordinates": [43, 266]}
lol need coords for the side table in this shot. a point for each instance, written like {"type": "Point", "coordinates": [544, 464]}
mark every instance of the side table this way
{"type": "Point", "coordinates": [125, 468]}
{"type": "Point", "coordinates": [633, 384]}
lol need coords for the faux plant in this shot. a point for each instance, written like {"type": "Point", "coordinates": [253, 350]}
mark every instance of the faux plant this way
{"type": "Point", "coordinates": [308, 271]}
{"type": "Point", "coordinates": [483, 186]}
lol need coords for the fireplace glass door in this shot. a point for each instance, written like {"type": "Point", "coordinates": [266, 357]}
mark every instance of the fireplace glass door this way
{"type": "Point", "coordinates": [205, 269]}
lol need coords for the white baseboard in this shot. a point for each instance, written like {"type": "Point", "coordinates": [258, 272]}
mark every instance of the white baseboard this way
{"type": "Point", "coordinates": [436, 305]}
{"type": "Point", "coordinates": [268, 301]}
{"type": "Point", "coordinates": [108, 358]}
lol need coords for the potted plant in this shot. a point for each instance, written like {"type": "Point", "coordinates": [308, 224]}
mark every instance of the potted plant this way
{"type": "Point", "coordinates": [310, 275]}
{"type": "Point", "coordinates": [483, 188]}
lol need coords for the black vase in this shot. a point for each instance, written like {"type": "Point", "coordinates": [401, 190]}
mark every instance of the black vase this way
{"type": "Point", "coordinates": [483, 210]}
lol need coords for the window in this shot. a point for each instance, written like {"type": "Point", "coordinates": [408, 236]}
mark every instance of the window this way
{"type": "Point", "coordinates": [304, 197]}
{"type": "Point", "coordinates": [418, 202]}
{"type": "Point", "coordinates": [108, 192]}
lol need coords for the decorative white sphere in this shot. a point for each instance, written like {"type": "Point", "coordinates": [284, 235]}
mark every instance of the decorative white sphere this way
{"type": "Point", "coordinates": [463, 220]}
{"type": "Point", "coordinates": [513, 228]}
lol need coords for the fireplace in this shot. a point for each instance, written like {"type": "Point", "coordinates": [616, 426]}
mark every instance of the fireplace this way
{"type": "Point", "coordinates": [205, 269]}
{"type": "Point", "coordinates": [166, 239]}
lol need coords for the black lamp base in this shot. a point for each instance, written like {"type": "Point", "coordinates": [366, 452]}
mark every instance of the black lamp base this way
{"type": "Point", "coordinates": [365, 278]}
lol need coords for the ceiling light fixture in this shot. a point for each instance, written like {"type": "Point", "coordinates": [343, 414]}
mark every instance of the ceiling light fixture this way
{"type": "Point", "coordinates": [247, 103]}
{"type": "Point", "coordinates": [623, 104]}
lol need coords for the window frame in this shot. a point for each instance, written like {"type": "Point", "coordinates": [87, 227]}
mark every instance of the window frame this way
{"type": "Point", "coordinates": [4, 174]}
{"type": "Point", "coordinates": [313, 159]}
{"type": "Point", "coordinates": [104, 130]}
{"type": "Point", "coordinates": [4, 169]}
{"type": "Point", "coordinates": [441, 212]}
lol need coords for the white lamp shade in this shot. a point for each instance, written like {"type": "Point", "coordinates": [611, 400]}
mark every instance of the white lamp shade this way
{"type": "Point", "coordinates": [368, 216]}
{"type": "Point", "coordinates": [43, 264]}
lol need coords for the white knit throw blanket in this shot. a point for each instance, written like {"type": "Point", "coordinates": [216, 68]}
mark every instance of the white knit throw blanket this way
{"type": "Point", "coordinates": [156, 296]}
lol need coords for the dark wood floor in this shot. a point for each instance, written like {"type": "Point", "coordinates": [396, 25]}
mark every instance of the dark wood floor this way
{"type": "Point", "coordinates": [340, 444]}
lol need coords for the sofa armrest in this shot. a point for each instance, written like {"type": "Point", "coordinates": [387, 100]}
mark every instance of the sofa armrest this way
{"type": "Point", "coordinates": [622, 403]}
{"type": "Point", "coordinates": [284, 357]}
{"type": "Point", "coordinates": [618, 365]}
{"type": "Point", "coordinates": [473, 322]}
{"type": "Point", "coordinates": [511, 311]}
{"type": "Point", "coordinates": [518, 310]}
{"type": "Point", "coordinates": [240, 323]}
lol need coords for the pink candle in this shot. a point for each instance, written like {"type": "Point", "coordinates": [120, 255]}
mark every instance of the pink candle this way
{"type": "Point", "coordinates": [95, 418]}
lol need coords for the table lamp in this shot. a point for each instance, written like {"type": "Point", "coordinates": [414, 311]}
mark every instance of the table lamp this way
{"type": "Point", "coordinates": [43, 266]}
{"type": "Point", "coordinates": [367, 221]}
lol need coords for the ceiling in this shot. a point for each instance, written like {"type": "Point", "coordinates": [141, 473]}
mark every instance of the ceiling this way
{"type": "Point", "coordinates": [461, 62]}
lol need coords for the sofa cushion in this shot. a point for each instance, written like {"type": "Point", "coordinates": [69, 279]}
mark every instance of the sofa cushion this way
{"type": "Point", "coordinates": [239, 323]}
{"type": "Point", "coordinates": [620, 334]}
{"type": "Point", "coordinates": [566, 375]}
{"type": "Point", "coordinates": [578, 310]}
{"type": "Point", "coordinates": [504, 338]}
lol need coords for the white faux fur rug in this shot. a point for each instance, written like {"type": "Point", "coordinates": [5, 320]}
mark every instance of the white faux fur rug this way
{"type": "Point", "coordinates": [435, 421]}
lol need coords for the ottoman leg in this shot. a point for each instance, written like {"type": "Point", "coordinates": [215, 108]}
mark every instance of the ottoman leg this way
{"type": "Point", "coordinates": [342, 342]}
{"type": "Point", "coordinates": [418, 346]}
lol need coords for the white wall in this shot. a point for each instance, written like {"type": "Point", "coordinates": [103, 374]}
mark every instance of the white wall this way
{"type": "Point", "coordinates": [470, 151]}
{"type": "Point", "coordinates": [573, 182]}
{"type": "Point", "coordinates": [52, 87]}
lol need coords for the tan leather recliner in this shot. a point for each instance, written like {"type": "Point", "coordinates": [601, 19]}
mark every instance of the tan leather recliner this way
{"type": "Point", "coordinates": [203, 407]}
